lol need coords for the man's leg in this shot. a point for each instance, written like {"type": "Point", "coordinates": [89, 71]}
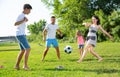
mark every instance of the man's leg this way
{"type": "Point", "coordinates": [20, 55]}
{"type": "Point", "coordinates": [45, 52]}
{"type": "Point", "coordinates": [27, 52]}
{"type": "Point", "coordinates": [58, 52]}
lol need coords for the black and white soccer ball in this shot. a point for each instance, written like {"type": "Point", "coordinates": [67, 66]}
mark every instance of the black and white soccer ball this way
{"type": "Point", "coordinates": [68, 49]}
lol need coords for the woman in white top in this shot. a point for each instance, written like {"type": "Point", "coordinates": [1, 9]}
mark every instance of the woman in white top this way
{"type": "Point", "coordinates": [92, 37]}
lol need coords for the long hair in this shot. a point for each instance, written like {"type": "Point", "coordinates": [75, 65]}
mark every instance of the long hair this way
{"type": "Point", "coordinates": [98, 20]}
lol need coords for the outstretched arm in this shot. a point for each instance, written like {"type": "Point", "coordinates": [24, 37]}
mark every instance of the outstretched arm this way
{"type": "Point", "coordinates": [86, 24]}
{"type": "Point", "coordinates": [105, 32]}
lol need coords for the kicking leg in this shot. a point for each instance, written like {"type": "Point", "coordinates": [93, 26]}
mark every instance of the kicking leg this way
{"type": "Point", "coordinates": [95, 54]}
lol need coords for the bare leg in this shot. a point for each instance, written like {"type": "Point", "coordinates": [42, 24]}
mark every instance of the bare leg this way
{"type": "Point", "coordinates": [83, 55]}
{"type": "Point", "coordinates": [27, 51]}
{"type": "Point", "coordinates": [95, 54]}
{"type": "Point", "coordinates": [45, 52]}
{"type": "Point", "coordinates": [20, 55]}
{"type": "Point", "coordinates": [81, 51]}
{"type": "Point", "coordinates": [58, 52]}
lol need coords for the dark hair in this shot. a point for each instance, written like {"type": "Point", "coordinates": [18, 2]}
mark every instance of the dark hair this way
{"type": "Point", "coordinates": [79, 33]}
{"type": "Point", "coordinates": [27, 6]}
{"type": "Point", "coordinates": [52, 16]}
{"type": "Point", "coordinates": [98, 22]}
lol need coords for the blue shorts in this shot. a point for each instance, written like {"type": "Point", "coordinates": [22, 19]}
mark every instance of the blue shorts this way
{"type": "Point", "coordinates": [81, 46]}
{"type": "Point", "coordinates": [51, 41]}
{"type": "Point", "coordinates": [23, 43]}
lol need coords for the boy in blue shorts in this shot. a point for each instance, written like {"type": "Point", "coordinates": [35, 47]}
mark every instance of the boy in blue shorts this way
{"type": "Point", "coordinates": [50, 30]}
{"type": "Point", "coordinates": [21, 37]}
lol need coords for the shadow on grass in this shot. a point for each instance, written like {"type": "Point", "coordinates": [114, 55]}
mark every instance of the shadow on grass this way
{"type": "Point", "coordinates": [84, 59]}
{"type": "Point", "coordinates": [50, 61]}
{"type": "Point", "coordinates": [3, 50]}
{"type": "Point", "coordinates": [98, 71]}
{"type": "Point", "coordinates": [107, 56]}
{"type": "Point", "coordinates": [111, 58]}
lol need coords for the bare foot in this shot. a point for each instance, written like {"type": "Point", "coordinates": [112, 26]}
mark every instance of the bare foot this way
{"type": "Point", "coordinates": [79, 61]}
{"type": "Point", "coordinates": [100, 59]}
{"type": "Point", "coordinates": [26, 68]}
{"type": "Point", "coordinates": [17, 67]}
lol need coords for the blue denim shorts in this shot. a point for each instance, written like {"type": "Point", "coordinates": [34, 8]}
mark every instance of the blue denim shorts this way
{"type": "Point", "coordinates": [51, 41]}
{"type": "Point", "coordinates": [80, 46]}
{"type": "Point", "coordinates": [23, 42]}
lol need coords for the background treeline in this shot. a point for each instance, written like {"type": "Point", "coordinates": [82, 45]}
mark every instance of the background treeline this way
{"type": "Point", "coordinates": [72, 13]}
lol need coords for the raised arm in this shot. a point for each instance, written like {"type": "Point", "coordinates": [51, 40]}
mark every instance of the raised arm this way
{"type": "Point", "coordinates": [100, 27]}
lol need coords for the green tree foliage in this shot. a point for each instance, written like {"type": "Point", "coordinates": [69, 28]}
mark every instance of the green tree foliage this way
{"type": "Point", "coordinates": [71, 13]}
{"type": "Point", "coordinates": [36, 31]}
{"type": "Point", "coordinates": [107, 6]}
{"type": "Point", "coordinates": [37, 27]}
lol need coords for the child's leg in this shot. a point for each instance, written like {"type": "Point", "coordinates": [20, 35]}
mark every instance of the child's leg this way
{"type": "Point", "coordinates": [45, 52]}
{"type": "Point", "coordinates": [95, 54]}
{"type": "Point", "coordinates": [81, 51]}
{"type": "Point", "coordinates": [58, 52]}
{"type": "Point", "coordinates": [19, 59]}
{"type": "Point", "coordinates": [27, 51]}
{"type": "Point", "coordinates": [84, 54]}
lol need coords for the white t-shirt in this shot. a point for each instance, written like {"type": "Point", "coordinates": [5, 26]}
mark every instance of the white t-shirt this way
{"type": "Point", "coordinates": [20, 29]}
{"type": "Point", "coordinates": [51, 31]}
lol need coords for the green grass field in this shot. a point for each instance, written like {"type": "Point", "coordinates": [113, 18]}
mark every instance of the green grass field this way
{"type": "Point", "coordinates": [90, 67]}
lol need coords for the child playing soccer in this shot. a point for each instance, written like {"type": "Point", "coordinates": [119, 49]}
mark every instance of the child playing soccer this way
{"type": "Point", "coordinates": [21, 37]}
{"type": "Point", "coordinates": [80, 41]}
{"type": "Point", "coordinates": [50, 30]}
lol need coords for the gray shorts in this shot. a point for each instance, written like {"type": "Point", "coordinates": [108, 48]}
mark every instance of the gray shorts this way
{"type": "Point", "coordinates": [81, 46]}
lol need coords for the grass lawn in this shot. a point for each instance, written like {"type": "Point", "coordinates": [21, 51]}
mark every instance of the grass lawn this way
{"type": "Point", "coordinates": [90, 67]}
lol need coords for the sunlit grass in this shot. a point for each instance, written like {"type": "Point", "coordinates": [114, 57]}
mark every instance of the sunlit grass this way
{"type": "Point", "coordinates": [90, 67]}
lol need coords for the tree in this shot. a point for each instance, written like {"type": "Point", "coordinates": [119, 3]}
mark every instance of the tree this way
{"type": "Point", "coordinates": [71, 13]}
{"type": "Point", "coordinates": [36, 31]}
{"type": "Point", "coordinates": [37, 27]}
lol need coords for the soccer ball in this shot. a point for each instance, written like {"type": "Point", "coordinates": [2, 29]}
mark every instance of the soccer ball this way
{"type": "Point", "coordinates": [68, 49]}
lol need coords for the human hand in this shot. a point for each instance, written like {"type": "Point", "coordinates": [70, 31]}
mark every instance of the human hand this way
{"type": "Point", "coordinates": [84, 23]}
{"type": "Point", "coordinates": [61, 34]}
{"type": "Point", "coordinates": [25, 19]}
{"type": "Point", "coordinates": [111, 38]}
{"type": "Point", "coordinates": [44, 39]}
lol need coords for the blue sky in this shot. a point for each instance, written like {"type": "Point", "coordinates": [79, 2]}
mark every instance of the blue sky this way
{"type": "Point", "coordinates": [10, 9]}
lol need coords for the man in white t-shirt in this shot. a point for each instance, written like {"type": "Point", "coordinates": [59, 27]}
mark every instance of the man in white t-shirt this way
{"type": "Point", "coordinates": [21, 37]}
{"type": "Point", "coordinates": [50, 30]}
